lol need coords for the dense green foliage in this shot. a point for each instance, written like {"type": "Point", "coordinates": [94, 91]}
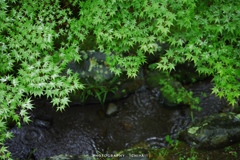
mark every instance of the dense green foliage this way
{"type": "Point", "coordinates": [32, 59]}
{"type": "Point", "coordinates": [205, 33]}
{"type": "Point", "coordinates": [39, 38]}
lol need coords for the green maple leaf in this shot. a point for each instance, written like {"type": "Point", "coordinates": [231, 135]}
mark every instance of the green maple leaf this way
{"type": "Point", "coordinates": [61, 108]}
{"type": "Point", "coordinates": [164, 60]}
{"type": "Point", "coordinates": [37, 92]}
{"type": "Point", "coordinates": [151, 15]}
{"type": "Point", "coordinates": [2, 14]}
{"type": "Point", "coordinates": [170, 53]}
{"type": "Point", "coordinates": [170, 16]}
{"type": "Point", "coordinates": [64, 92]}
{"type": "Point", "coordinates": [23, 112]}
{"type": "Point", "coordinates": [130, 43]}
{"type": "Point", "coordinates": [172, 40]}
{"type": "Point", "coordinates": [151, 38]}
{"type": "Point", "coordinates": [180, 42]}
{"type": "Point", "coordinates": [189, 56]}
{"type": "Point", "coordinates": [8, 135]}
{"type": "Point", "coordinates": [220, 94]}
{"type": "Point", "coordinates": [144, 48]}
{"type": "Point", "coordinates": [181, 23]}
{"type": "Point", "coordinates": [116, 71]}
{"type": "Point", "coordinates": [202, 70]}
{"type": "Point", "coordinates": [15, 118]}
{"type": "Point", "coordinates": [168, 23]}
{"type": "Point", "coordinates": [27, 104]}
{"type": "Point", "coordinates": [215, 90]}
{"type": "Point", "coordinates": [221, 72]}
{"type": "Point", "coordinates": [232, 102]}
{"type": "Point", "coordinates": [195, 59]}
{"type": "Point", "coordinates": [109, 38]}
{"type": "Point", "coordinates": [160, 21]}
{"type": "Point", "coordinates": [211, 62]}
{"type": "Point", "coordinates": [117, 35]}
{"type": "Point", "coordinates": [56, 101]}
{"type": "Point", "coordinates": [171, 67]}
{"type": "Point", "coordinates": [161, 66]}
{"type": "Point", "coordinates": [81, 37]}
{"type": "Point", "coordinates": [55, 92]}
{"type": "Point", "coordinates": [64, 101]}
{"type": "Point", "coordinates": [43, 46]}
{"type": "Point", "coordinates": [26, 119]}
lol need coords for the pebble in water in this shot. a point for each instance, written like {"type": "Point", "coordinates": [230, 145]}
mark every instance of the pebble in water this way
{"type": "Point", "coordinates": [112, 109]}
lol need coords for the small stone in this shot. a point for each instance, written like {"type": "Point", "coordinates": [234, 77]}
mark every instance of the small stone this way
{"type": "Point", "coordinates": [111, 109]}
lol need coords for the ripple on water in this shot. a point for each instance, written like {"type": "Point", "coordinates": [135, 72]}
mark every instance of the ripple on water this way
{"type": "Point", "coordinates": [77, 142]}
{"type": "Point", "coordinates": [78, 130]}
{"type": "Point", "coordinates": [28, 140]}
{"type": "Point", "coordinates": [143, 102]}
{"type": "Point", "coordinates": [18, 150]}
{"type": "Point", "coordinates": [32, 136]}
{"type": "Point", "coordinates": [155, 142]}
{"type": "Point", "coordinates": [179, 122]}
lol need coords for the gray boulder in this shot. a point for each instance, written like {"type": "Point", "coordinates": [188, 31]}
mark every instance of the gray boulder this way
{"type": "Point", "coordinates": [212, 132]}
{"type": "Point", "coordinates": [99, 81]}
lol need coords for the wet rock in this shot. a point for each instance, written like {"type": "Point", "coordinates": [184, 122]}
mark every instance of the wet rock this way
{"type": "Point", "coordinates": [126, 86]}
{"type": "Point", "coordinates": [112, 109]}
{"type": "Point", "coordinates": [94, 72]}
{"type": "Point", "coordinates": [215, 131]}
{"type": "Point", "coordinates": [92, 68]}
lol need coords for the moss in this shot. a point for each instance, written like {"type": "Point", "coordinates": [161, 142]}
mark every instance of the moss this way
{"type": "Point", "coordinates": [182, 151]}
{"type": "Point", "coordinates": [193, 130]}
{"type": "Point", "coordinates": [153, 77]}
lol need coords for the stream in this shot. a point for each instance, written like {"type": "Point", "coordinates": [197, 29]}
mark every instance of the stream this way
{"type": "Point", "coordinates": [85, 130]}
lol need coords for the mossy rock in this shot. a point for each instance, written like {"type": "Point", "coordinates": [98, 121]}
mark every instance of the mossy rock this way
{"type": "Point", "coordinates": [215, 131]}
{"type": "Point", "coordinates": [95, 74]}
{"type": "Point", "coordinates": [153, 78]}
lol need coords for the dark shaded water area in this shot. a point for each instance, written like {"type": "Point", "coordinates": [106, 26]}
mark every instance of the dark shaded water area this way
{"type": "Point", "coordinates": [79, 130]}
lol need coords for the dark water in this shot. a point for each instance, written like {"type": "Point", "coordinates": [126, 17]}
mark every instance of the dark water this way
{"type": "Point", "coordinates": [142, 117]}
